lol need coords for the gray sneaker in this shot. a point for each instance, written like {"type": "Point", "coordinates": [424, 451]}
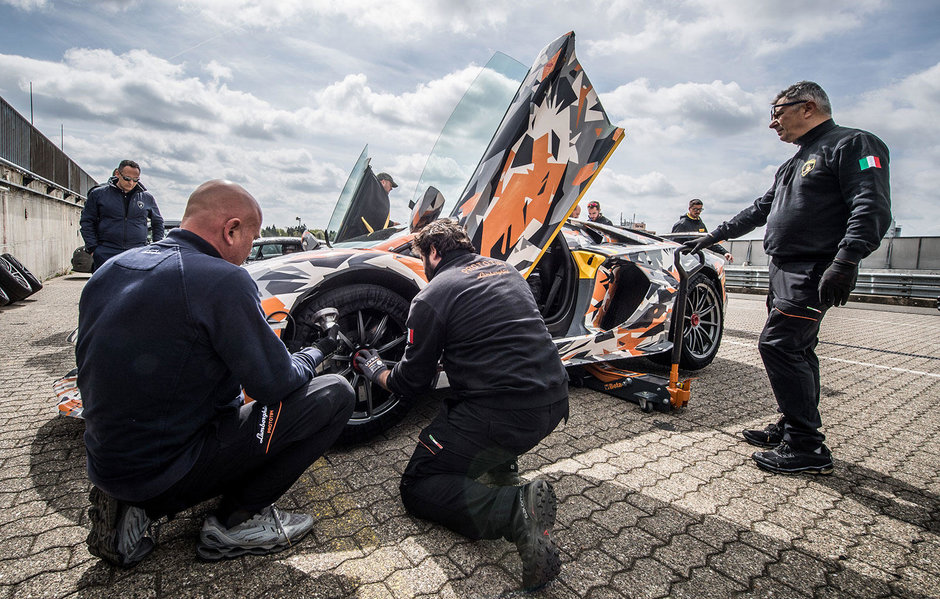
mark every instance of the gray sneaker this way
{"type": "Point", "coordinates": [269, 531]}
{"type": "Point", "coordinates": [117, 530]}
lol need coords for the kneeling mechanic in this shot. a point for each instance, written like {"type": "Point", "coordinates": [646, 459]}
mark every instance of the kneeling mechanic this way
{"type": "Point", "coordinates": [167, 336]}
{"type": "Point", "coordinates": [509, 391]}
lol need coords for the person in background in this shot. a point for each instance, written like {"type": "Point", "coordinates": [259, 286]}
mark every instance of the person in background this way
{"type": "Point", "coordinates": [594, 214]}
{"type": "Point", "coordinates": [386, 181]}
{"type": "Point", "coordinates": [691, 222]}
{"type": "Point", "coordinates": [115, 215]}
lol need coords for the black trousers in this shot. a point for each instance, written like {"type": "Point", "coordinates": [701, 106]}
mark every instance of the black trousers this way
{"type": "Point", "coordinates": [787, 346]}
{"type": "Point", "coordinates": [459, 445]}
{"type": "Point", "coordinates": [251, 456]}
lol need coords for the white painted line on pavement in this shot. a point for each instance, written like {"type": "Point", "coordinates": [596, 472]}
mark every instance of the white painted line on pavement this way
{"type": "Point", "coordinates": [905, 370]}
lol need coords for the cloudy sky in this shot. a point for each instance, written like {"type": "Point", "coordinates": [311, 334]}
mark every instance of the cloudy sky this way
{"type": "Point", "coordinates": [282, 96]}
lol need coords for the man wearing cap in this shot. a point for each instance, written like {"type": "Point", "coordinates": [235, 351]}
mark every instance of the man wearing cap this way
{"type": "Point", "coordinates": [595, 216]}
{"type": "Point", "coordinates": [386, 181]}
{"type": "Point", "coordinates": [691, 222]}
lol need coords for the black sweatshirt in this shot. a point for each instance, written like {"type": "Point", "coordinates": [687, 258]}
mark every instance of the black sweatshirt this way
{"type": "Point", "coordinates": [480, 315]}
{"type": "Point", "coordinates": [831, 199]}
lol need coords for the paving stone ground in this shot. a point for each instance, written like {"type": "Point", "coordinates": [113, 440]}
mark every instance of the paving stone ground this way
{"type": "Point", "coordinates": [650, 505]}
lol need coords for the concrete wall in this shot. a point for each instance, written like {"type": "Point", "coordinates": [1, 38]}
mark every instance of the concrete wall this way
{"type": "Point", "coordinates": [38, 222]}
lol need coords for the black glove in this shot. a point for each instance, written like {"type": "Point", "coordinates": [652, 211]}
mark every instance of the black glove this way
{"type": "Point", "coordinates": [837, 282]}
{"type": "Point", "coordinates": [327, 345]}
{"type": "Point", "coordinates": [369, 363]}
{"type": "Point", "coordinates": [701, 243]}
{"type": "Point", "coordinates": [309, 357]}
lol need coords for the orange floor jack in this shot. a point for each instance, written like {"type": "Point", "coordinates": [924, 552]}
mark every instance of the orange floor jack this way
{"type": "Point", "coordinates": [649, 391]}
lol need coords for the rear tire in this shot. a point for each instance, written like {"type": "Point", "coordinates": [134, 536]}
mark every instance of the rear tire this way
{"type": "Point", "coordinates": [373, 317]}
{"type": "Point", "coordinates": [704, 323]}
{"type": "Point", "coordinates": [34, 283]}
{"type": "Point", "coordinates": [13, 282]}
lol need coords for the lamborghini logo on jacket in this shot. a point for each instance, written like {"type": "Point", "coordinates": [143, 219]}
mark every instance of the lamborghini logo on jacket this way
{"type": "Point", "coordinates": [808, 166]}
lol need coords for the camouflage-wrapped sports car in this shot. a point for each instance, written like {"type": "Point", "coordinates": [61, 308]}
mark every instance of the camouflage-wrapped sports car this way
{"type": "Point", "coordinates": [606, 293]}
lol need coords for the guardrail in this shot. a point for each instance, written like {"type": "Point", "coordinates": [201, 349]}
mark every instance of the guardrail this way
{"type": "Point", "coordinates": [910, 285]}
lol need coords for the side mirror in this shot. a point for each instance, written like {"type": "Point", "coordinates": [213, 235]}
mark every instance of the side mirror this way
{"type": "Point", "coordinates": [427, 209]}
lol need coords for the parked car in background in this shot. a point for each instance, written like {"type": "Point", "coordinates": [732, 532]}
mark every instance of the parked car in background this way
{"type": "Point", "coordinates": [269, 247]}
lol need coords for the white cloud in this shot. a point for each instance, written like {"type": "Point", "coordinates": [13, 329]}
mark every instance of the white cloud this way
{"type": "Point", "coordinates": [681, 111]}
{"type": "Point", "coordinates": [396, 19]}
{"type": "Point", "coordinates": [759, 28]}
{"type": "Point", "coordinates": [27, 5]}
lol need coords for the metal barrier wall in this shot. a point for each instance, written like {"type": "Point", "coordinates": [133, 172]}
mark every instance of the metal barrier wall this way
{"type": "Point", "coordinates": [902, 253]}
{"type": "Point", "coordinates": [23, 145]}
{"type": "Point", "coordinates": [903, 267]}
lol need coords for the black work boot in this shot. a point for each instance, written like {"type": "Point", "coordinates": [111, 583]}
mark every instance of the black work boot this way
{"type": "Point", "coordinates": [786, 460]}
{"type": "Point", "coordinates": [117, 530]}
{"type": "Point", "coordinates": [532, 520]}
{"type": "Point", "coordinates": [769, 436]}
{"type": "Point", "coordinates": [504, 475]}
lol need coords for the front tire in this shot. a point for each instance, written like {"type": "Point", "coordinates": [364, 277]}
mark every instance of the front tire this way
{"type": "Point", "coordinates": [373, 317]}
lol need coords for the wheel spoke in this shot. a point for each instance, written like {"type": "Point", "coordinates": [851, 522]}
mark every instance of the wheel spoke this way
{"type": "Point", "coordinates": [360, 326]}
{"type": "Point", "coordinates": [379, 330]}
{"type": "Point", "coordinates": [396, 341]}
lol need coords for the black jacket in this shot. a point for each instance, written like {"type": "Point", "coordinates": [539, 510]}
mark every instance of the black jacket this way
{"type": "Point", "coordinates": [832, 199]}
{"type": "Point", "coordinates": [688, 224]}
{"type": "Point", "coordinates": [118, 220]}
{"type": "Point", "coordinates": [479, 313]}
{"type": "Point", "coordinates": [167, 336]}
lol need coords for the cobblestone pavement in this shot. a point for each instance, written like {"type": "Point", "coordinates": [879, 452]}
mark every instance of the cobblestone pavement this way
{"type": "Point", "coordinates": [650, 505]}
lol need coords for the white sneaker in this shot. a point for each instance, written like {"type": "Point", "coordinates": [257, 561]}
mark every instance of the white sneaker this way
{"type": "Point", "coordinates": [269, 531]}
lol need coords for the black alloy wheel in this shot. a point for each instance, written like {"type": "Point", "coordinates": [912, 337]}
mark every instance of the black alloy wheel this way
{"type": "Point", "coordinates": [370, 317]}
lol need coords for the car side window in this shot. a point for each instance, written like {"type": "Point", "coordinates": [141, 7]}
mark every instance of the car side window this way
{"type": "Point", "coordinates": [269, 250]}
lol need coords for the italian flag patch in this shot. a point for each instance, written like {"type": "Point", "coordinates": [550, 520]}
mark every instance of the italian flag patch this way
{"type": "Point", "coordinates": [869, 162]}
{"type": "Point", "coordinates": [411, 336]}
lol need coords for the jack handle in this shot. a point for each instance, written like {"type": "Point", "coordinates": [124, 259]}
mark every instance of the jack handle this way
{"type": "Point", "coordinates": [679, 392]}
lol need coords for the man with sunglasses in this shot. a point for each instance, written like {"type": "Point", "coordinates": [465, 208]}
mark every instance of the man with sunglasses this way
{"type": "Point", "coordinates": [828, 208]}
{"type": "Point", "coordinates": [115, 215]}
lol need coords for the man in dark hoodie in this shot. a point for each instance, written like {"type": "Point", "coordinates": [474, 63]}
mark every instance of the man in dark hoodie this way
{"type": "Point", "coordinates": [115, 215]}
{"type": "Point", "coordinates": [828, 208]}
{"type": "Point", "coordinates": [510, 390]}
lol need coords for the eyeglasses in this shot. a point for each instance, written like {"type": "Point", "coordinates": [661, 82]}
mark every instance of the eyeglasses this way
{"type": "Point", "coordinates": [134, 179]}
{"type": "Point", "coordinates": [774, 115]}
{"type": "Point", "coordinates": [593, 205]}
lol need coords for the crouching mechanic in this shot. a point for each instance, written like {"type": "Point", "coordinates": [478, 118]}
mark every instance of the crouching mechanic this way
{"type": "Point", "coordinates": [509, 389]}
{"type": "Point", "coordinates": [168, 334]}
